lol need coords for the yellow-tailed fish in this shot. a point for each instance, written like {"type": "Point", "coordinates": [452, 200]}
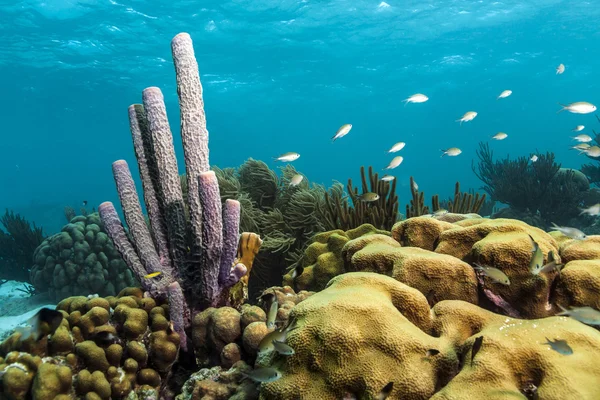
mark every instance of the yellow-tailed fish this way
{"type": "Point", "coordinates": [593, 210]}
{"type": "Point", "coordinates": [592, 151]}
{"type": "Point", "coordinates": [500, 136]}
{"type": "Point", "coordinates": [560, 346]}
{"type": "Point", "coordinates": [586, 315]}
{"type": "Point", "coordinates": [287, 157]}
{"type": "Point", "coordinates": [573, 233]}
{"type": "Point", "coordinates": [263, 375]}
{"type": "Point", "coordinates": [578, 128]}
{"type": "Point", "coordinates": [397, 147]}
{"type": "Point", "coordinates": [468, 116]}
{"type": "Point", "coordinates": [560, 69]}
{"type": "Point", "coordinates": [385, 392]}
{"type": "Point", "coordinates": [395, 162]}
{"type": "Point", "coordinates": [583, 138]}
{"type": "Point", "coordinates": [343, 131]}
{"type": "Point", "coordinates": [504, 94]}
{"type": "Point", "coordinates": [452, 152]}
{"type": "Point", "coordinates": [493, 273]}
{"type": "Point", "coordinates": [153, 274]}
{"type": "Point", "coordinates": [579, 107]}
{"type": "Point", "coordinates": [296, 179]}
{"type": "Point", "coordinates": [416, 98]}
{"type": "Point", "coordinates": [283, 348]}
{"type": "Point", "coordinates": [388, 178]}
{"type": "Point", "coordinates": [272, 315]}
{"type": "Point", "coordinates": [537, 258]}
{"type": "Point", "coordinates": [368, 197]}
{"type": "Point", "coordinates": [534, 158]}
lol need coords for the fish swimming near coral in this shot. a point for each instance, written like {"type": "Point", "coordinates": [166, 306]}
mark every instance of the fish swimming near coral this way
{"type": "Point", "coordinates": [397, 147]}
{"type": "Point", "coordinates": [287, 157]}
{"type": "Point", "coordinates": [583, 138]}
{"type": "Point", "coordinates": [440, 212]}
{"type": "Point", "coordinates": [592, 151]}
{"type": "Point", "coordinates": [343, 131]}
{"type": "Point", "coordinates": [272, 315]}
{"type": "Point", "coordinates": [369, 197]}
{"type": "Point", "coordinates": [551, 265]}
{"type": "Point", "coordinates": [296, 179]}
{"type": "Point", "coordinates": [153, 275]}
{"type": "Point", "coordinates": [533, 158]}
{"type": "Point", "coordinates": [573, 233]}
{"type": "Point", "coordinates": [452, 152]}
{"type": "Point", "coordinates": [282, 348]}
{"type": "Point", "coordinates": [493, 273]}
{"type": "Point", "coordinates": [586, 315]}
{"type": "Point", "coordinates": [262, 375]}
{"type": "Point", "coordinates": [476, 347]}
{"type": "Point", "coordinates": [578, 128]}
{"type": "Point", "coordinates": [537, 258]}
{"type": "Point", "coordinates": [279, 335]}
{"type": "Point", "coordinates": [560, 346]}
{"type": "Point", "coordinates": [388, 178]}
{"type": "Point", "coordinates": [468, 116]}
{"type": "Point", "coordinates": [592, 210]}
{"type": "Point", "coordinates": [44, 322]}
{"type": "Point", "coordinates": [500, 136]}
{"type": "Point", "coordinates": [395, 162]}
{"type": "Point", "coordinates": [385, 392]}
{"type": "Point", "coordinates": [579, 107]}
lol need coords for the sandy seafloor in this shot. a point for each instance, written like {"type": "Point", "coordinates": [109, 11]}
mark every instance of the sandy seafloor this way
{"type": "Point", "coordinates": [17, 307]}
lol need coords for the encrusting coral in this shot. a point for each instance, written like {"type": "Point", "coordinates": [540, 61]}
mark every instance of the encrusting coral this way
{"type": "Point", "coordinates": [190, 248]}
{"type": "Point", "coordinates": [366, 330]}
{"type": "Point", "coordinates": [80, 260]}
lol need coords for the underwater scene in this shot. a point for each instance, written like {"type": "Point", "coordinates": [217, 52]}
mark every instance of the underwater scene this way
{"type": "Point", "coordinates": [299, 199]}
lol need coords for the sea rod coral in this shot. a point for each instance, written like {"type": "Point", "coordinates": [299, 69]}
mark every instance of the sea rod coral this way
{"type": "Point", "coordinates": [193, 264]}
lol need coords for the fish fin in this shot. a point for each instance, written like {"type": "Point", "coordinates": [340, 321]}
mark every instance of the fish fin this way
{"type": "Point", "coordinates": [564, 310]}
{"type": "Point", "coordinates": [443, 153]}
{"type": "Point", "coordinates": [562, 109]}
{"type": "Point", "coordinates": [554, 226]}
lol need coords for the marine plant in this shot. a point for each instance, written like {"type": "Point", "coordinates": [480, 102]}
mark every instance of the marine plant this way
{"type": "Point", "coordinates": [18, 241]}
{"type": "Point", "coordinates": [592, 171]}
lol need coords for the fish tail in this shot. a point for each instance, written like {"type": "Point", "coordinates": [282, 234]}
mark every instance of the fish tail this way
{"type": "Point", "coordinates": [562, 109]}
{"type": "Point", "coordinates": [564, 310]}
{"type": "Point", "coordinates": [443, 153]}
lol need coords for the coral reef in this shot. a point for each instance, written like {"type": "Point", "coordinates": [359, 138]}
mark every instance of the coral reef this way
{"type": "Point", "coordinates": [366, 330]}
{"type": "Point", "coordinates": [17, 246]}
{"type": "Point", "coordinates": [105, 348]}
{"type": "Point", "coordinates": [80, 260]}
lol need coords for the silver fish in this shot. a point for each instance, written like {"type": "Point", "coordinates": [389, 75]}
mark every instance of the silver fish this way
{"type": "Point", "coordinates": [452, 152]}
{"type": "Point", "coordinates": [368, 197]}
{"type": "Point", "coordinates": [468, 116]}
{"type": "Point", "coordinates": [579, 107]}
{"type": "Point", "coordinates": [560, 346]}
{"type": "Point", "coordinates": [272, 315]}
{"type": "Point", "coordinates": [288, 157]}
{"type": "Point", "coordinates": [586, 315]}
{"type": "Point", "coordinates": [296, 179]}
{"type": "Point", "coordinates": [593, 210]}
{"type": "Point", "coordinates": [573, 233]}
{"type": "Point", "coordinates": [395, 162]}
{"type": "Point", "coordinates": [552, 264]}
{"type": "Point", "coordinates": [283, 348]}
{"type": "Point", "coordinates": [388, 178]}
{"type": "Point", "coordinates": [343, 131]}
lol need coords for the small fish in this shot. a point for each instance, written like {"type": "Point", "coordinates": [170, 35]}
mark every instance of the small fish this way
{"type": "Point", "coordinates": [36, 329]}
{"type": "Point", "coordinates": [560, 69]}
{"type": "Point", "coordinates": [578, 128]}
{"type": "Point", "coordinates": [272, 315]}
{"type": "Point", "coordinates": [580, 107]}
{"type": "Point", "coordinates": [296, 179]}
{"type": "Point", "coordinates": [551, 265]}
{"type": "Point", "coordinates": [586, 315]}
{"type": "Point", "coordinates": [395, 162]}
{"type": "Point", "coordinates": [279, 335]}
{"type": "Point", "coordinates": [343, 131]}
{"type": "Point", "coordinates": [504, 94]}
{"type": "Point", "coordinates": [153, 275]}
{"type": "Point", "coordinates": [416, 98]}
{"type": "Point", "coordinates": [440, 212]}
{"type": "Point", "coordinates": [592, 151]}
{"type": "Point", "coordinates": [104, 338]}
{"type": "Point", "coordinates": [476, 347]}
{"type": "Point", "coordinates": [84, 203]}
{"type": "Point", "coordinates": [452, 152]}
{"type": "Point", "coordinates": [537, 258]}
{"type": "Point", "coordinates": [397, 147]}
{"type": "Point", "coordinates": [581, 146]}
{"type": "Point", "coordinates": [287, 157]}
{"type": "Point", "coordinates": [534, 158]}
{"type": "Point", "coordinates": [500, 136]}
{"type": "Point", "coordinates": [469, 116]}
{"type": "Point", "coordinates": [369, 197]}
{"type": "Point", "coordinates": [593, 210]}
{"type": "Point", "coordinates": [493, 273]}
{"type": "Point", "coordinates": [432, 352]}
{"type": "Point", "coordinates": [263, 375]}
{"type": "Point", "coordinates": [582, 138]}
{"type": "Point", "coordinates": [388, 178]}
{"type": "Point", "coordinates": [296, 272]}
{"type": "Point", "coordinates": [283, 348]}
{"type": "Point", "coordinates": [415, 186]}
{"type": "Point", "coordinates": [560, 346]}
{"type": "Point", "coordinates": [385, 392]}
{"type": "Point", "coordinates": [573, 233]}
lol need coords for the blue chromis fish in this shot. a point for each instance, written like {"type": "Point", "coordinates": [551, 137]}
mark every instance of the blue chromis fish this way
{"type": "Point", "coordinates": [368, 197]}
{"type": "Point", "coordinates": [560, 346]}
{"type": "Point", "coordinates": [263, 375]}
{"type": "Point", "coordinates": [551, 265]}
{"type": "Point", "coordinates": [296, 179]}
{"type": "Point", "coordinates": [586, 315]}
{"type": "Point", "coordinates": [573, 233]}
{"type": "Point", "coordinates": [288, 157]}
{"type": "Point", "coordinates": [44, 322]}
{"type": "Point", "coordinates": [537, 258]}
{"type": "Point", "coordinates": [451, 152]}
{"type": "Point", "coordinates": [493, 273]}
{"type": "Point", "coordinates": [343, 131]}
{"type": "Point", "coordinates": [272, 315]}
{"type": "Point", "coordinates": [283, 348]}
{"type": "Point", "coordinates": [153, 275]}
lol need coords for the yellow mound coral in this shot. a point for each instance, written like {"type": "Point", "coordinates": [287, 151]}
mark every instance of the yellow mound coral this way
{"type": "Point", "coordinates": [366, 330]}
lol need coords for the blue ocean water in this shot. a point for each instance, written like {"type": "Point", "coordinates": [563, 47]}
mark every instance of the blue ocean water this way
{"type": "Point", "coordinates": [283, 76]}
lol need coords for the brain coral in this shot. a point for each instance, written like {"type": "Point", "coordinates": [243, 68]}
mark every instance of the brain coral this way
{"type": "Point", "coordinates": [105, 348]}
{"type": "Point", "coordinates": [80, 260]}
{"type": "Point", "coordinates": [366, 330]}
